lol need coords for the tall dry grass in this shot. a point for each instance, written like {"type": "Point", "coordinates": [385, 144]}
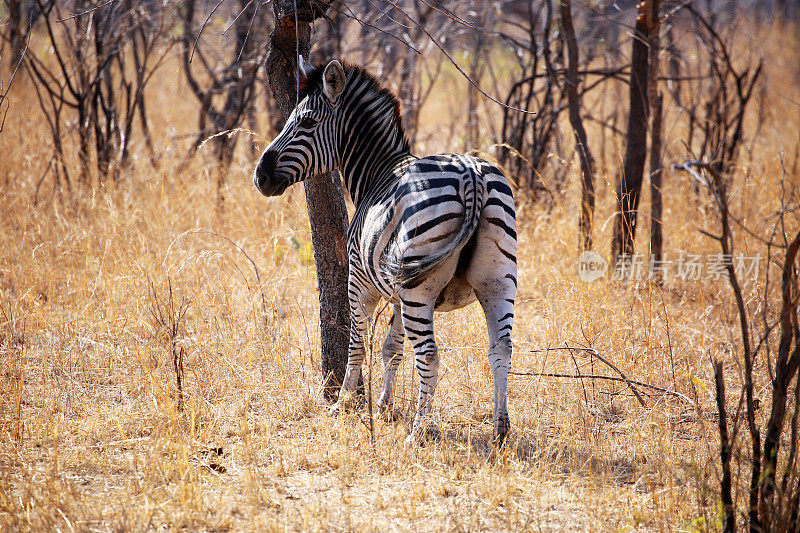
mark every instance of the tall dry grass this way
{"type": "Point", "coordinates": [92, 438]}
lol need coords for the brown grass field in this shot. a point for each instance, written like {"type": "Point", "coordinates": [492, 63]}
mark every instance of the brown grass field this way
{"type": "Point", "coordinates": [91, 438]}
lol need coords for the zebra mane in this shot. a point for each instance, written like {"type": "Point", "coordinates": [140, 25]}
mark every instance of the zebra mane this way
{"type": "Point", "coordinates": [355, 74]}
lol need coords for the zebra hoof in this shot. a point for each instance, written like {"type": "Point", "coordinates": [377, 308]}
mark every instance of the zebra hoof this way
{"type": "Point", "coordinates": [348, 401]}
{"type": "Point", "coordinates": [421, 434]}
{"type": "Point", "coordinates": [390, 413]}
{"type": "Point", "coordinates": [415, 440]}
{"type": "Point", "coordinates": [501, 430]}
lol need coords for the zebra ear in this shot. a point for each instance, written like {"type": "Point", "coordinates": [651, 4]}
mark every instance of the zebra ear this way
{"type": "Point", "coordinates": [304, 67]}
{"type": "Point", "coordinates": [333, 80]}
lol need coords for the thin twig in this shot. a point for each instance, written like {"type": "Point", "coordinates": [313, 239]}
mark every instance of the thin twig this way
{"type": "Point", "coordinates": [607, 378]}
{"type": "Point", "coordinates": [455, 64]}
{"type": "Point", "coordinates": [374, 27]}
{"type": "Point", "coordinates": [611, 365]}
{"type": "Point", "coordinates": [76, 15]}
{"type": "Point", "coordinates": [249, 28]}
{"type": "Point", "coordinates": [451, 16]}
{"type": "Point", "coordinates": [617, 370]}
{"type": "Point", "coordinates": [372, 323]}
{"type": "Point", "coordinates": [191, 56]}
{"type": "Point", "coordinates": [226, 30]}
{"type": "Point", "coordinates": [578, 371]}
{"type": "Point", "coordinates": [4, 96]}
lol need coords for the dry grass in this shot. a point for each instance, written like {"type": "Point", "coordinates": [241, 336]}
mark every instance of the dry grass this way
{"type": "Point", "coordinates": [91, 437]}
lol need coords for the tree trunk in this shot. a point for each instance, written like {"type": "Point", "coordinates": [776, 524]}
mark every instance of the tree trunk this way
{"type": "Point", "coordinates": [656, 170]}
{"type": "Point", "coordinates": [16, 31]}
{"type": "Point", "coordinates": [324, 197]}
{"type": "Point", "coordinates": [629, 185]}
{"type": "Point", "coordinates": [581, 144]}
{"type": "Point", "coordinates": [787, 365]}
{"type": "Point", "coordinates": [729, 522]}
{"type": "Point", "coordinates": [656, 175]}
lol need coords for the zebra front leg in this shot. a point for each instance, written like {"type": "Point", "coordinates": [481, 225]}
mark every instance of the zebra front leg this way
{"type": "Point", "coordinates": [361, 307]}
{"type": "Point", "coordinates": [392, 356]}
{"type": "Point", "coordinates": [418, 324]}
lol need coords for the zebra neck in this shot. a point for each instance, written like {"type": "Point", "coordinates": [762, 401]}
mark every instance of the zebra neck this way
{"type": "Point", "coordinates": [369, 165]}
{"type": "Point", "coordinates": [371, 142]}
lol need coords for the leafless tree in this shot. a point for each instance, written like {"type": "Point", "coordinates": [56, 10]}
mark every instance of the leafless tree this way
{"type": "Point", "coordinates": [716, 95]}
{"type": "Point", "coordinates": [526, 137]}
{"type": "Point", "coordinates": [774, 488]}
{"type": "Point", "coordinates": [88, 77]}
{"type": "Point", "coordinates": [629, 183]}
{"type": "Point", "coordinates": [581, 142]}
{"type": "Point", "coordinates": [224, 87]}
{"type": "Point", "coordinates": [324, 196]}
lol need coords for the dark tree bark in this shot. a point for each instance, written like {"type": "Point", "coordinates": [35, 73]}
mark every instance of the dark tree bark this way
{"type": "Point", "coordinates": [629, 185]}
{"type": "Point", "coordinates": [787, 366]}
{"type": "Point", "coordinates": [656, 167]}
{"type": "Point", "coordinates": [324, 197]}
{"type": "Point", "coordinates": [16, 30]}
{"type": "Point", "coordinates": [581, 144]}
{"type": "Point", "coordinates": [729, 522]}
{"type": "Point", "coordinates": [656, 176]}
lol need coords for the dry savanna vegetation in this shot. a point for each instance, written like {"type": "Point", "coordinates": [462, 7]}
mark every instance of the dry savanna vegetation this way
{"type": "Point", "coordinates": [160, 363]}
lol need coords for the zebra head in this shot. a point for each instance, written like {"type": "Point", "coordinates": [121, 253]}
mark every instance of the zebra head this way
{"type": "Point", "coordinates": [307, 144]}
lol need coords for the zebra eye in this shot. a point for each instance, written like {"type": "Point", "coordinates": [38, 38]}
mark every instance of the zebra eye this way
{"type": "Point", "coordinates": [307, 122]}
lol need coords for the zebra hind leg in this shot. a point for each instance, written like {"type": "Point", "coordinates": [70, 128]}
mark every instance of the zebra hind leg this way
{"type": "Point", "coordinates": [392, 356]}
{"type": "Point", "coordinates": [499, 311]}
{"type": "Point", "coordinates": [418, 324]}
{"type": "Point", "coordinates": [492, 272]}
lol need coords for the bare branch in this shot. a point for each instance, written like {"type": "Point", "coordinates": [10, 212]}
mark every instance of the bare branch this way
{"type": "Point", "coordinates": [608, 363]}
{"type": "Point", "coordinates": [4, 94]}
{"type": "Point", "coordinates": [76, 15]}
{"type": "Point", "coordinates": [607, 378]}
{"type": "Point", "coordinates": [194, 46]}
{"type": "Point", "coordinates": [451, 16]}
{"type": "Point", "coordinates": [453, 61]}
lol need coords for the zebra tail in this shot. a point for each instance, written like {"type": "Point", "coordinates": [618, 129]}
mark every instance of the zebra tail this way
{"type": "Point", "coordinates": [410, 272]}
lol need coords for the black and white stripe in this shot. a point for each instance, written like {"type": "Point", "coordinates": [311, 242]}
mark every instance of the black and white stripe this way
{"type": "Point", "coordinates": [429, 234]}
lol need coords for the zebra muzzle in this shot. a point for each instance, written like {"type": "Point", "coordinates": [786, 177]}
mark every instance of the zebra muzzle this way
{"type": "Point", "coordinates": [264, 176]}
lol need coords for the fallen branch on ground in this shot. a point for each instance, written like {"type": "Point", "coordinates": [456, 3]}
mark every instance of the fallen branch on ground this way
{"type": "Point", "coordinates": [607, 378]}
{"type": "Point", "coordinates": [623, 378]}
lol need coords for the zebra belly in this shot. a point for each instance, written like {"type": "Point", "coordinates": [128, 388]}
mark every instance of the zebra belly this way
{"type": "Point", "coordinates": [456, 294]}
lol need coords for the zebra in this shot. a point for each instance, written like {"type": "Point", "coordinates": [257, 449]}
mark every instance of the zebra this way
{"type": "Point", "coordinates": [428, 234]}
